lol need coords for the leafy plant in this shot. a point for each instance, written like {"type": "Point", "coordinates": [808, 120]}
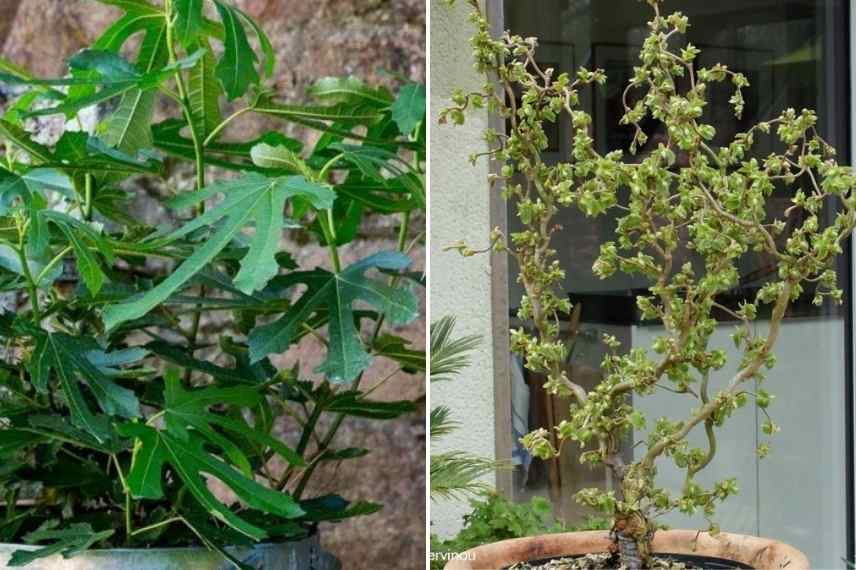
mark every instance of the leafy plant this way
{"type": "Point", "coordinates": [495, 517]}
{"type": "Point", "coordinates": [112, 420]}
{"type": "Point", "coordinates": [454, 474]}
{"type": "Point", "coordinates": [690, 199]}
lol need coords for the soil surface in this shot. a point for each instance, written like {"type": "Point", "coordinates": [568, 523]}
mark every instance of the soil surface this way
{"type": "Point", "coordinates": [607, 561]}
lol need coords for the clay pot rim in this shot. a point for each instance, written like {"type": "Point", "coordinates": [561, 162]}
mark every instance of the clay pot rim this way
{"type": "Point", "coordinates": [754, 551]}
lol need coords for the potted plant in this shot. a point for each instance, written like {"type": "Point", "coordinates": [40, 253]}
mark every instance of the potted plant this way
{"type": "Point", "coordinates": [147, 419]}
{"type": "Point", "coordinates": [686, 199]}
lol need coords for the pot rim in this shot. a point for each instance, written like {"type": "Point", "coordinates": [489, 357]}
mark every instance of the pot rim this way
{"type": "Point", "coordinates": [755, 551]}
{"type": "Point", "coordinates": [313, 536]}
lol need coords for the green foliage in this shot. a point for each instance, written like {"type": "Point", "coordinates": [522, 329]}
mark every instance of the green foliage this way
{"type": "Point", "coordinates": [454, 474]}
{"type": "Point", "coordinates": [449, 356]}
{"type": "Point", "coordinates": [335, 293]}
{"type": "Point", "coordinates": [688, 211]}
{"type": "Point", "coordinates": [68, 541]}
{"type": "Point", "coordinates": [112, 419]}
{"type": "Point", "coordinates": [494, 517]}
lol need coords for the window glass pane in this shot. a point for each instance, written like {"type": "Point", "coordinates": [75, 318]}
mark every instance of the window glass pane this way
{"type": "Point", "coordinates": [793, 53]}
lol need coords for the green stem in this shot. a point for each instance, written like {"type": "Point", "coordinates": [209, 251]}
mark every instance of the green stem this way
{"type": "Point", "coordinates": [305, 436]}
{"type": "Point", "coordinates": [157, 525]}
{"type": "Point", "coordinates": [129, 506]}
{"type": "Point", "coordinates": [402, 232]}
{"type": "Point", "coordinates": [87, 204]}
{"type": "Point", "coordinates": [185, 103]}
{"type": "Point", "coordinates": [304, 480]}
{"type": "Point", "coordinates": [151, 421]}
{"type": "Point", "coordinates": [198, 152]}
{"type": "Point", "coordinates": [337, 423]}
{"type": "Point", "coordinates": [53, 262]}
{"type": "Point", "coordinates": [219, 128]}
{"type": "Point", "coordinates": [326, 223]}
{"type": "Point", "coordinates": [325, 170]}
{"type": "Point", "coordinates": [328, 226]}
{"type": "Point", "coordinates": [32, 287]}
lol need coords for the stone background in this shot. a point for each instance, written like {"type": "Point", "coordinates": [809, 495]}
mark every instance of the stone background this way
{"type": "Point", "coordinates": [379, 41]}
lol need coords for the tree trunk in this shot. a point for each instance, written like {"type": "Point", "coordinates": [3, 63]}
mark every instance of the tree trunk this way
{"type": "Point", "coordinates": [633, 534]}
{"type": "Point", "coordinates": [628, 552]}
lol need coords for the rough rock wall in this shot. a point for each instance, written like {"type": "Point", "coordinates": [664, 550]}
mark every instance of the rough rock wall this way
{"type": "Point", "coordinates": [378, 40]}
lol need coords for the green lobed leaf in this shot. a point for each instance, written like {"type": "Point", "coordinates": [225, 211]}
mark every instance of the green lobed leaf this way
{"type": "Point", "coordinates": [264, 43]}
{"type": "Point", "coordinates": [396, 348]}
{"type": "Point", "coordinates": [135, 21]}
{"type": "Point", "coordinates": [336, 292]}
{"type": "Point", "coordinates": [79, 152]}
{"type": "Point", "coordinates": [127, 128]}
{"type": "Point", "coordinates": [408, 111]}
{"type": "Point", "coordinates": [352, 403]}
{"type": "Point", "coordinates": [58, 428]}
{"type": "Point", "coordinates": [334, 90]}
{"type": "Point", "coordinates": [110, 71]}
{"type": "Point", "coordinates": [390, 196]}
{"type": "Point", "coordinates": [189, 460]}
{"type": "Point", "coordinates": [13, 440]}
{"type": "Point", "coordinates": [236, 70]}
{"type": "Point", "coordinates": [250, 198]}
{"type": "Point", "coordinates": [229, 155]}
{"type": "Point", "coordinates": [278, 157]}
{"type": "Point", "coordinates": [190, 410]}
{"type": "Point", "coordinates": [313, 114]}
{"type": "Point", "coordinates": [31, 186]}
{"type": "Point", "coordinates": [39, 153]}
{"type": "Point", "coordinates": [66, 356]}
{"type": "Point", "coordinates": [68, 541]}
{"type": "Point", "coordinates": [203, 93]}
{"type": "Point", "coordinates": [179, 356]}
{"type": "Point", "coordinates": [78, 234]}
{"type": "Point", "coordinates": [336, 508]}
{"type": "Point", "coordinates": [336, 119]}
{"type": "Point", "coordinates": [189, 20]}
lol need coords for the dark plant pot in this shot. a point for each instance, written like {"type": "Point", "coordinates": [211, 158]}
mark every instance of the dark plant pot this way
{"type": "Point", "coordinates": [304, 554]}
{"type": "Point", "coordinates": [749, 550]}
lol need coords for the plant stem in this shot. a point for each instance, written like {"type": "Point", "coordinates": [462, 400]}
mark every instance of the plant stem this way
{"type": "Point", "coordinates": [337, 423]}
{"type": "Point", "coordinates": [219, 128]}
{"type": "Point", "coordinates": [402, 232]}
{"type": "Point", "coordinates": [87, 204]}
{"type": "Point", "coordinates": [326, 223]}
{"type": "Point", "coordinates": [32, 286]}
{"type": "Point", "coordinates": [185, 102]}
{"type": "Point", "coordinates": [305, 436]}
{"type": "Point", "coordinates": [325, 170]}
{"type": "Point", "coordinates": [129, 506]}
{"type": "Point", "coordinates": [47, 269]}
{"type": "Point", "coordinates": [157, 525]}
{"type": "Point", "coordinates": [155, 417]}
{"type": "Point", "coordinates": [198, 152]}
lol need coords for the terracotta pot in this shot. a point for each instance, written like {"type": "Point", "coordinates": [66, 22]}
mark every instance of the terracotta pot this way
{"type": "Point", "coordinates": [750, 550]}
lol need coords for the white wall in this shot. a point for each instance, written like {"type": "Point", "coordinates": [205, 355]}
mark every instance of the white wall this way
{"type": "Point", "coordinates": [797, 494]}
{"type": "Point", "coordinates": [459, 210]}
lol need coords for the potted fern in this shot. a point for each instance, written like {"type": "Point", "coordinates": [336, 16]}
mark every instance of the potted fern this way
{"type": "Point", "coordinates": [130, 437]}
{"type": "Point", "coordinates": [686, 199]}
